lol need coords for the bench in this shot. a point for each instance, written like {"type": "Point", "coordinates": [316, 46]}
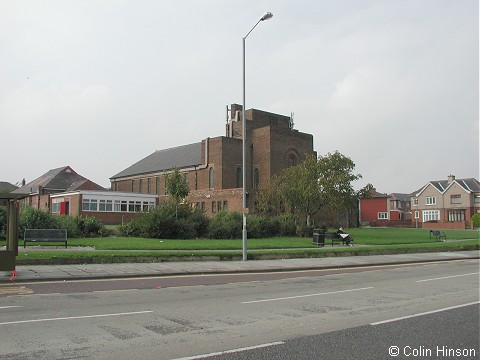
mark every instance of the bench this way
{"type": "Point", "coordinates": [438, 234]}
{"type": "Point", "coordinates": [45, 235]}
{"type": "Point", "coordinates": [334, 237]}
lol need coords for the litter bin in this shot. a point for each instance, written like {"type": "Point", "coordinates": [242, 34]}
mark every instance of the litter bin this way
{"type": "Point", "coordinates": [319, 237]}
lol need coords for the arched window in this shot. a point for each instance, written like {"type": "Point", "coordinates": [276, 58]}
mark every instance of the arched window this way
{"type": "Point", "coordinates": [210, 178]}
{"type": "Point", "coordinates": [239, 177]}
{"type": "Point", "coordinates": [256, 178]}
{"type": "Point", "coordinates": [292, 160]}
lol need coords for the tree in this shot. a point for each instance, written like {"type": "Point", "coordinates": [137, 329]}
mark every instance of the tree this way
{"type": "Point", "coordinates": [177, 187]}
{"type": "Point", "coordinates": [312, 186]}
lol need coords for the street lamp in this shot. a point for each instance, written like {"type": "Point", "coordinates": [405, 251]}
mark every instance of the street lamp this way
{"type": "Point", "coordinates": [267, 16]}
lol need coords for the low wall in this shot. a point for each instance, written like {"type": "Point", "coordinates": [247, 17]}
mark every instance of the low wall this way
{"type": "Point", "coordinates": [457, 225]}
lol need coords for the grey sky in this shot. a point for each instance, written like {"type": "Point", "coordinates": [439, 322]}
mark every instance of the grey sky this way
{"type": "Point", "coordinates": [98, 85]}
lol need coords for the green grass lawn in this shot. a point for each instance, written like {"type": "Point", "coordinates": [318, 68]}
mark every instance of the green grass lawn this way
{"type": "Point", "coordinates": [363, 236]}
{"type": "Point", "coordinates": [368, 240]}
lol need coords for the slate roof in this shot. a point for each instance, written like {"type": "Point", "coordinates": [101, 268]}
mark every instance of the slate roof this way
{"type": "Point", "coordinates": [6, 186]}
{"type": "Point", "coordinates": [400, 196]}
{"type": "Point", "coordinates": [470, 185]}
{"type": "Point", "coordinates": [60, 179]}
{"type": "Point", "coordinates": [161, 160]}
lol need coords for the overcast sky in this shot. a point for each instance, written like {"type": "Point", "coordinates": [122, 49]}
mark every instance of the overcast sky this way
{"type": "Point", "coordinates": [99, 85]}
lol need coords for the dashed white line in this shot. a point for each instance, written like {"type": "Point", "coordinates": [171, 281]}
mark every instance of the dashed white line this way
{"type": "Point", "coordinates": [447, 277]}
{"type": "Point", "coordinates": [74, 317]}
{"type": "Point", "coordinates": [424, 313]}
{"type": "Point", "coordinates": [9, 307]}
{"type": "Point", "coordinates": [232, 351]}
{"type": "Point", "coordinates": [307, 295]}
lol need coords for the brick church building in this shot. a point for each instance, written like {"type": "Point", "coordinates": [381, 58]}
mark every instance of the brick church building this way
{"type": "Point", "coordinates": [213, 167]}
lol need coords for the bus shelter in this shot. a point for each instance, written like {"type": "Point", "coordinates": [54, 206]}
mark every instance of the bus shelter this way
{"type": "Point", "coordinates": [8, 256]}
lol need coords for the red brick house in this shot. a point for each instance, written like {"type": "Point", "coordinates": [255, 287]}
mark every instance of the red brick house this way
{"type": "Point", "coordinates": [384, 209]}
{"type": "Point", "coordinates": [213, 167]}
{"type": "Point", "coordinates": [446, 204]}
{"type": "Point", "coordinates": [375, 208]}
{"type": "Point", "coordinates": [53, 182]}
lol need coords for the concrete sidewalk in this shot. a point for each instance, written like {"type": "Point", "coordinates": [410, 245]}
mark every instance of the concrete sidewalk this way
{"type": "Point", "coordinates": [27, 273]}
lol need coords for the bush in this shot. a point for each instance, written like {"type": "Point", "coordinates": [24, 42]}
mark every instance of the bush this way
{"type": "Point", "coordinates": [261, 226]}
{"type": "Point", "coordinates": [76, 226]}
{"type": "Point", "coordinates": [287, 225]}
{"type": "Point", "coordinates": [226, 226]}
{"type": "Point", "coordinates": [476, 220]}
{"type": "Point", "coordinates": [167, 222]}
{"type": "Point", "coordinates": [31, 218]}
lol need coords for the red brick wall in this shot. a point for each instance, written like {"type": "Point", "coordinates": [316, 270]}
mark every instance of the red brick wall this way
{"type": "Point", "coordinates": [369, 208]}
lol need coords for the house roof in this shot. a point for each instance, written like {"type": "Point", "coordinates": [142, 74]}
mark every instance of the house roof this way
{"type": "Point", "coordinates": [400, 197]}
{"type": "Point", "coordinates": [6, 187]}
{"type": "Point", "coordinates": [60, 179]}
{"type": "Point", "coordinates": [469, 185]}
{"type": "Point", "coordinates": [162, 160]}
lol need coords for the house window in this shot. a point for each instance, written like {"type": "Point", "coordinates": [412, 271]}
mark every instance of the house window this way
{"type": "Point", "coordinates": [239, 177]}
{"type": "Point", "coordinates": [430, 215]}
{"type": "Point", "coordinates": [214, 206]}
{"type": "Point", "coordinates": [415, 202]}
{"type": "Point", "coordinates": [93, 205]}
{"type": "Point", "coordinates": [140, 185]}
{"type": "Point", "coordinates": [383, 215]}
{"type": "Point", "coordinates": [133, 185]}
{"type": "Point", "coordinates": [476, 199]}
{"type": "Point", "coordinates": [430, 200]}
{"type": "Point", "coordinates": [455, 199]}
{"type": "Point", "coordinates": [148, 186]}
{"type": "Point", "coordinates": [89, 205]}
{"type": "Point", "coordinates": [225, 205]}
{"type": "Point", "coordinates": [55, 208]}
{"type": "Point", "coordinates": [456, 215]}
{"type": "Point", "coordinates": [157, 185]}
{"type": "Point", "coordinates": [416, 214]}
{"type": "Point", "coordinates": [210, 178]}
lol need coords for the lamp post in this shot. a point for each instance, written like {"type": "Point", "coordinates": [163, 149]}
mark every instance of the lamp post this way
{"type": "Point", "coordinates": [267, 16]}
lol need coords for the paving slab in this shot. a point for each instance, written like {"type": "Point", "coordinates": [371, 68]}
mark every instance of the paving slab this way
{"type": "Point", "coordinates": [26, 273]}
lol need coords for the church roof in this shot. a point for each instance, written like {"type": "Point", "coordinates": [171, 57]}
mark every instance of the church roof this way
{"type": "Point", "coordinates": [163, 160]}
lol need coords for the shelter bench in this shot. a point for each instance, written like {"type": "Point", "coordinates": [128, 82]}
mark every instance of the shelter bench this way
{"type": "Point", "coordinates": [45, 235]}
{"type": "Point", "coordinates": [438, 234]}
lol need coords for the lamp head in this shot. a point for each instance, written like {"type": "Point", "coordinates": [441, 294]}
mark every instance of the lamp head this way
{"type": "Point", "coordinates": [267, 16]}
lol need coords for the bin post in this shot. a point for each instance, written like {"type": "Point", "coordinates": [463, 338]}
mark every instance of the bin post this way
{"type": "Point", "coordinates": [319, 237]}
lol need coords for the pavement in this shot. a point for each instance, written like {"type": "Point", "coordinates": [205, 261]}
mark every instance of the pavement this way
{"type": "Point", "coordinates": [29, 273]}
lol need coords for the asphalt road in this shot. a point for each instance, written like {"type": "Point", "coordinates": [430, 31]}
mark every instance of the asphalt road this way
{"type": "Point", "coordinates": [305, 315]}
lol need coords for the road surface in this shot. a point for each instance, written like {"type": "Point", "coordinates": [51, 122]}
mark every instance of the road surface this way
{"type": "Point", "coordinates": [348, 314]}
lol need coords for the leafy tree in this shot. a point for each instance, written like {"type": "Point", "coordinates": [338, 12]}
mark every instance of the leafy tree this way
{"type": "Point", "coordinates": [312, 186]}
{"type": "Point", "coordinates": [176, 187]}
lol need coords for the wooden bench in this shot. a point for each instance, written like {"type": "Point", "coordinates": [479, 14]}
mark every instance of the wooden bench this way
{"type": "Point", "coordinates": [438, 234]}
{"type": "Point", "coordinates": [334, 237]}
{"type": "Point", "coordinates": [45, 235]}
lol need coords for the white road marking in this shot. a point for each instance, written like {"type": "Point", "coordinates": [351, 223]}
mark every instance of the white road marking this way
{"type": "Point", "coordinates": [303, 296]}
{"type": "Point", "coordinates": [448, 277]}
{"type": "Point", "coordinates": [424, 313]}
{"type": "Point", "coordinates": [9, 307]}
{"type": "Point", "coordinates": [232, 351]}
{"type": "Point", "coordinates": [74, 317]}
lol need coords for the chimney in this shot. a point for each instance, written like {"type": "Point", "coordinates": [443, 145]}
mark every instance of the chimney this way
{"type": "Point", "coordinates": [451, 178]}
